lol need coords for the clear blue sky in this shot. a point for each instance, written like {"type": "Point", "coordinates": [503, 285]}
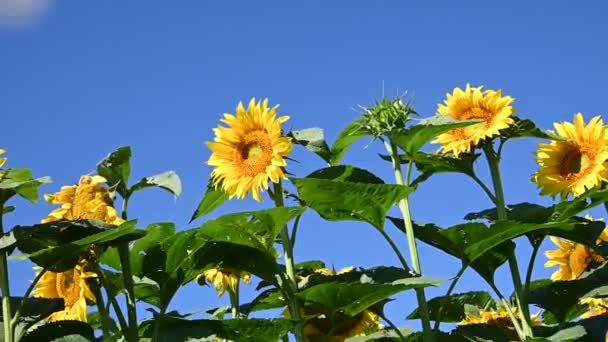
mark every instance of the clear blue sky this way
{"type": "Point", "coordinates": [80, 78]}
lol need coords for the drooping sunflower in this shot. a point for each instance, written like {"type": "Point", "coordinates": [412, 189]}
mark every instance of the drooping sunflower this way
{"type": "Point", "coordinates": [72, 287]}
{"type": "Point", "coordinates": [572, 258]}
{"type": "Point", "coordinates": [499, 317]}
{"type": "Point", "coordinates": [87, 200]}
{"type": "Point", "coordinates": [469, 104]}
{"type": "Point", "coordinates": [598, 307]}
{"type": "Point", "coordinates": [225, 279]}
{"type": "Point", "coordinates": [250, 151]}
{"type": "Point", "coordinates": [576, 163]}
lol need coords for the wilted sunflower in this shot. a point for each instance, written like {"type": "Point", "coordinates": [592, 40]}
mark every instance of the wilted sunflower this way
{"type": "Point", "coordinates": [470, 104]}
{"type": "Point", "coordinates": [250, 151]}
{"type": "Point", "coordinates": [499, 317]}
{"type": "Point", "coordinates": [71, 286]}
{"type": "Point", "coordinates": [225, 279]}
{"type": "Point", "coordinates": [572, 258]}
{"type": "Point", "coordinates": [576, 163]}
{"type": "Point", "coordinates": [87, 200]}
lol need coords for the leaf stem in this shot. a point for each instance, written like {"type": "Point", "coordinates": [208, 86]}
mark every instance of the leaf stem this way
{"type": "Point", "coordinates": [101, 308]}
{"type": "Point", "coordinates": [234, 299]}
{"type": "Point", "coordinates": [4, 284]}
{"type": "Point", "coordinates": [485, 188]}
{"type": "Point", "coordinates": [535, 248]}
{"type": "Point", "coordinates": [294, 231]}
{"type": "Point", "coordinates": [501, 209]}
{"type": "Point", "coordinates": [15, 320]}
{"type": "Point", "coordinates": [131, 334]}
{"type": "Point", "coordinates": [395, 249]}
{"type": "Point", "coordinates": [289, 266]}
{"type": "Point", "coordinates": [394, 327]}
{"type": "Point", "coordinates": [404, 207]}
{"type": "Point", "coordinates": [447, 294]}
{"type": "Point", "coordinates": [507, 307]}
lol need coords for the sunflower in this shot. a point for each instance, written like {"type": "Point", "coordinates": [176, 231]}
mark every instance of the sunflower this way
{"type": "Point", "coordinates": [250, 151]}
{"type": "Point", "coordinates": [490, 106]}
{"type": "Point", "coordinates": [225, 279]}
{"type": "Point", "coordinates": [321, 325]}
{"type": "Point", "coordinates": [499, 317]}
{"type": "Point", "coordinates": [575, 163]}
{"type": "Point", "coordinates": [328, 272]}
{"type": "Point", "coordinates": [71, 286]}
{"type": "Point", "coordinates": [87, 200]}
{"type": "Point", "coordinates": [572, 258]}
{"type": "Point", "coordinates": [2, 160]}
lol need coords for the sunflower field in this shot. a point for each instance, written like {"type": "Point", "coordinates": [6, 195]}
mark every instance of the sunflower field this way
{"type": "Point", "coordinates": [100, 276]}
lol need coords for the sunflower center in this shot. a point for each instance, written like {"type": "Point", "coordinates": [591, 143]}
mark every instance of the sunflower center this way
{"type": "Point", "coordinates": [574, 163]}
{"type": "Point", "coordinates": [68, 287]}
{"type": "Point", "coordinates": [254, 153]}
{"type": "Point", "coordinates": [475, 113]}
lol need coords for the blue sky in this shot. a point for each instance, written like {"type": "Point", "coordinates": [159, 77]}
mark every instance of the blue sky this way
{"type": "Point", "coordinates": [79, 79]}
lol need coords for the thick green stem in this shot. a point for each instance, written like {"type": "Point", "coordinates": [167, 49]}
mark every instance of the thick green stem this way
{"type": "Point", "coordinates": [4, 284]}
{"type": "Point", "coordinates": [501, 210]}
{"type": "Point", "coordinates": [101, 308]}
{"type": "Point", "coordinates": [289, 267]}
{"type": "Point", "coordinates": [404, 207]}
{"type": "Point", "coordinates": [234, 300]}
{"type": "Point", "coordinates": [131, 334]}
{"type": "Point", "coordinates": [447, 294]}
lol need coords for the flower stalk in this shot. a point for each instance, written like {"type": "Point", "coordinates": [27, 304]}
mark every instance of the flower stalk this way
{"type": "Point", "coordinates": [404, 207]}
{"type": "Point", "coordinates": [501, 210]}
{"type": "Point", "coordinates": [234, 299]}
{"type": "Point", "coordinates": [4, 285]}
{"type": "Point", "coordinates": [131, 334]}
{"type": "Point", "coordinates": [289, 266]}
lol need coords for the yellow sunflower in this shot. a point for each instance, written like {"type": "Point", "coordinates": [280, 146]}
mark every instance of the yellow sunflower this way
{"type": "Point", "coordinates": [598, 307]}
{"type": "Point", "coordinates": [87, 200]}
{"type": "Point", "coordinates": [572, 258]}
{"type": "Point", "coordinates": [250, 151]}
{"type": "Point", "coordinates": [2, 160]}
{"type": "Point", "coordinates": [71, 286]}
{"type": "Point", "coordinates": [499, 317]}
{"type": "Point", "coordinates": [470, 104]}
{"type": "Point", "coordinates": [328, 272]}
{"type": "Point", "coordinates": [576, 163]}
{"type": "Point", "coordinates": [321, 325]}
{"type": "Point", "coordinates": [225, 279]}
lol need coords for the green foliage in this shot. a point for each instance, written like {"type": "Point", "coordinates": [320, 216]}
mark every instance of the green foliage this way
{"type": "Point", "coordinates": [351, 134]}
{"type": "Point", "coordinates": [167, 180]}
{"type": "Point", "coordinates": [213, 199]}
{"type": "Point", "coordinates": [20, 182]}
{"type": "Point", "coordinates": [313, 140]}
{"type": "Point", "coordinates": [116, 169]}
{"type": "Point", "coordinates": [451, 308]}
{"type": "Point", "coordinates": [62, 331]}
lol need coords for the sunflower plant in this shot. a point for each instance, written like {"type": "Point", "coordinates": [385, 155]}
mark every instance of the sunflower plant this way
{"type": "Point", "coordinates": [99, 276]}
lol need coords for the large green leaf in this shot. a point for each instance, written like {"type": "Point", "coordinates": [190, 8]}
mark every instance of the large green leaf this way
{"type": "Point", "coordinates": [156, 233]}
{"type": "Point", "coordinates": [34, 309]}
{"type": "Point", "coordinates": [313, 140]}
{"type": "Point", "coordinates": [560, 297]}
{"type": "Point", "coordinates": [382, 335]}
{"type": "Point", "coordinates": [588, 200]}
{"type": "Point", "coordinates": [451, 308]}
{"type": "Point", "coordinates": [585, 232]}
{"type": "Point", "coordinates": [61, 331]}
{"type": "Point", "coordinates": [456, 239]}
{"type": "Point", "coordinates": [167, 180]}
{"type": "Point", "coordinates": [116, 169]}
{"type": "Point", "coordinates": [341, 199]}
{"type": "Point", "coordinates": [57, 246]}
{"type": "Point", "coordinates": [346, 173]}
{"type": "Point", "coordinates": [346, 138]}
{"type": "Point", "coordinates": [522, 128]}
{"type": "Point", "coordinates": [20, 182]}
{"type": "Point", "coordinates": [413, 138]}
{"type": "Point", "coordinates": [429, 164]}
{"type": "Point", "coordinates": [521, 212]}
{"type": "Point", "coordinates": [213, 199]}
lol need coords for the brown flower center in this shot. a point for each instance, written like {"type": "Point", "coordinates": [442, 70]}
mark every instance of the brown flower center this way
{"type": "Point", "coordinates": [576, 162]}
{"type": "Point", "coordinates": [474, 113]}
{"type": "Point", "coordinates": [68, 287]}
{"type": "Point", "coordinates": [254, 153]}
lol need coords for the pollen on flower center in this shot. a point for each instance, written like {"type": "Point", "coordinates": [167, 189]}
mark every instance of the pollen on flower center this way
{"type": "Point", "coordinates": [68, 288]}
{"type": "Point", "coordinates": [475, 113]}
{"type": "Point", "coordinates": [576, 163]}
{"type": "Point", "coordinates": [255, 153]}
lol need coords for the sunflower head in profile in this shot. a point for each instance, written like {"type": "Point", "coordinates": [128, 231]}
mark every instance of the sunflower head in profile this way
{"type": "Point", "coordinates": [225, 279]}
{"type": "Point", "coordinates": [598, 307]}
{"type": "Point", "coordinates": [576, 162]}
{"type": "Point", "coordinates": [89, 200]}
{"type": "Point", "coordinates": [572, 258]}
{"type": "Point", "coordinates": [250, 151]}
{"type": "Point", "coordinates": [499, 317]}
{"type": "Point", "coordinates": [72, 287]}
{"type": "Point", "coordinates": [474, 104]}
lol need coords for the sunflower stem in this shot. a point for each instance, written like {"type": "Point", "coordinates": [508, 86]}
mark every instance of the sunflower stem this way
{"type": "Point", "coordinates": [395, 249]}
{"type": "Point", "coordinates": [131, 334]}
{"type": "Point", "coordinates": [289, 267]}
{"type": "Point", "coordinates": [394, 327]}
{"type": "Point", "coordinates": [101, 308]}
{"type": "Point", "coordinates": [501, 209]}
{"type": "Point", "coordinates": [507, 307]}
{"type": "Point", "coordinates": [404, 207]}
{"type": "Point", "coordinates": [4, 284]}
{"type": "Point", "coordinates": [535, 248]}
{"type": "Point", "coordinates": [234, 299]}
{"type": "Point", "coordinates": [447, 294]}
{"type": "Point", "coordinates": [28, 292]}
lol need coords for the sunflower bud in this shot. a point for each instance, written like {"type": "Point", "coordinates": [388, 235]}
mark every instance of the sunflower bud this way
{"type": "Point", "coordinates": [386, 116]}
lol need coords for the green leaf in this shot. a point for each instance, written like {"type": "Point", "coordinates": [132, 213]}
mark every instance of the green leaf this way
{"type": "Point", "coordinates": [94, 320]}
{"type": "Point", "coordinates": [504, 231]}
{"type": "Point", "coordinates": [269, 299]}
{"type": "Point", "coordinates": [588, 200]}
{"type": "Point", "coordinates": [7, 209]}
{"type": "Point", "coordinates": [346, 173]}
{"type": "Point", "coordinates": [57, 246]}
{"type": "Point", "coordinates": [341, 199]}
{"type": "Point", "coordinates": [485, 333]}
{"type": "Point", "coordinates": [430, 164]}
{"type": "Point", "coordinates": [61, 331]}
{"type": "Point", "coordinates": [212, 200]}
{"type": "Point", "coordinates": [413, 138]}
{"type": "Point", "coordinates": [568, 335]}
{"type": "Point", "coordinates": [522, 128]}
{"type": "Point", "coordinates": [451, 308]}
{"type": "Point", "coordinates": [521, 212]}
{"type": "Point", "coordinates": [313, 140]}
{"type": "Point", "coordinates": [167, 180]}
{"type": "Point", "coordinates": [560, 297]}
{"type": "Point", "coordinates": [382, 335]}
{"type": "Point", "coordinates": [456, 239]}
{"type": "Point", "coordinates": [156, 233]}
{"type": "Point", "coordinates": [20, 182]}
{"type": "Point", "coordinates": [346, 138]}
{"type": "Point", "coordinates": [116, 169]}
{"type": "Point", "coordinates": [34, 309]}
